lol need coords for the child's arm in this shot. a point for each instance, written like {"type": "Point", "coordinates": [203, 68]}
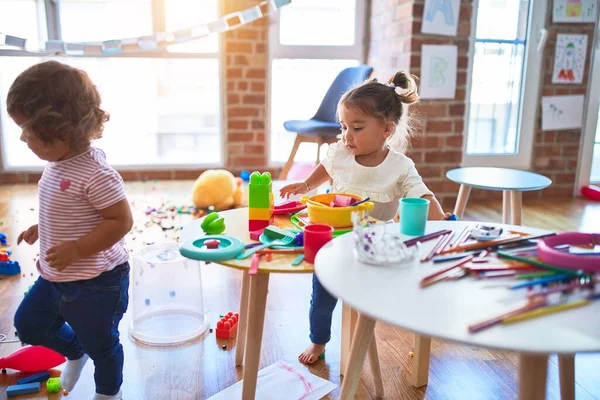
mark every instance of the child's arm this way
{"type": "Point", "coordinates": [435, 209]}
{"type": "Point", "coordinates": [117, 223]}
{"type": "Point", "coordinates": [318, 177]}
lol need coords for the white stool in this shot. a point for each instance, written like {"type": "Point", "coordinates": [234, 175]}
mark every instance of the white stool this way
{"type": "Point", "coordinates": [166, 297]}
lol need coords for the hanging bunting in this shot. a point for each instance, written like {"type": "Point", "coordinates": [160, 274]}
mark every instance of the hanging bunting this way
{"type": "Point", "coordinates": [148, 42]}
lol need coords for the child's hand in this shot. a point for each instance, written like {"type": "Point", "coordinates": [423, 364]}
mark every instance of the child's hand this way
{"type": "Point", "coordinates": [30, 236]}
{"type": "Point", "coordinates": [294, 188]}
{"type": "Point", "coordinates": [62, 255]}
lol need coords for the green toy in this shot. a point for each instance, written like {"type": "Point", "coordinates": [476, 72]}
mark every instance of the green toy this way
{"type": "Point", "coordinates": [213, 224]}
{"type": "Point", "coordinates": [53, 385]}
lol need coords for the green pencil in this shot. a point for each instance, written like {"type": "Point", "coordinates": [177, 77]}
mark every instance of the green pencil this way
{"type": "Point", "coordinates": [540, 264]}
{"type": "Point", "coordinates": [534, 275]}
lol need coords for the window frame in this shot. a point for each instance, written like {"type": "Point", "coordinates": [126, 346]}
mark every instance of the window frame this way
{"type": "Point", "coordinates": [530, 88]}
{"type": "Point", "coordinates": [276, 50]}
{"type": "Point", "coordinates": [591, 120]}
{"type": "Point", "coordinates": [49, 27]}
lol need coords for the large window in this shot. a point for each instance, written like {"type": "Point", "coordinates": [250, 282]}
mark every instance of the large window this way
{"type": "Point", "coordinates": [304, 63]}
{"type": "Point", "coordinates": [504, 76]}
{"type": "Point", "coordinates": [165, 105]}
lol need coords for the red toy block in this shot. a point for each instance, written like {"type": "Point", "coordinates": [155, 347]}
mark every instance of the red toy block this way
{"type": "Point", "coordinates": [256, 225]}
{"type": "Point", "coordinates": [227, 326]}
{"type": "Point", "coordinates": [255, 235]}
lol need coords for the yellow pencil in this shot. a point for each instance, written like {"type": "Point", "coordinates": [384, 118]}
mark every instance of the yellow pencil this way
{"type": "Point", "coordinates": [544, 311]}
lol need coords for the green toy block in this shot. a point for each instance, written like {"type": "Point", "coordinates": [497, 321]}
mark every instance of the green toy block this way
{"type": "Point", "coordinates": [260, 198]}
{"type": "Point", "coordinates": [260, 190]}
{"type": "Point", "coordinates": [53, 385]}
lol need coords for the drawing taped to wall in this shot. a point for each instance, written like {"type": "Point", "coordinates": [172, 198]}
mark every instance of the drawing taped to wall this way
{"type": "Point", "coordinates": [440, 17]}
{"type": "Point", "coordinates": [438, 72]}
{"type": "Point", "coordinates": [574, 10]}
{"type": "Point", "coordinates": [569, 58]}
{"type": "Point", "coordinates": [562, 112]}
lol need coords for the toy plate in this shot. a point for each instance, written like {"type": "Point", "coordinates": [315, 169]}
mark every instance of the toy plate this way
{"type": "Point", "coordinates": [196, 249]}
{"type": "Point", "coordinates": [289, 208]}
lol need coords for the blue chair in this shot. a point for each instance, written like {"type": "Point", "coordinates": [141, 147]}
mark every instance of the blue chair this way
{"type": "Point", "coordinates": [323, 127]}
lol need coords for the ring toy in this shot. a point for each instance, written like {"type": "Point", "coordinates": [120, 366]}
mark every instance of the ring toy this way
{"type": "Point", "coordinates": [197, 249]}
{"type": "Point", "coordinates": [547, 252]}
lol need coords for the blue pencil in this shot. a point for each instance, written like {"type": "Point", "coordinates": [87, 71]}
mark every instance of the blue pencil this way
{"type": "Point", "coordinates": [540, 281]}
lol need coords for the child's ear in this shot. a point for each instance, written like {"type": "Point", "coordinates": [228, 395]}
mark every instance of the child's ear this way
{"type": "Point", "coordinates": [389, 128]}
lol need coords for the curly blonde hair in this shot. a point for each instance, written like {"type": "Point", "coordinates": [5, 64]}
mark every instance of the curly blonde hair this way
{"type": "Point", "coordinates": [57, 102]}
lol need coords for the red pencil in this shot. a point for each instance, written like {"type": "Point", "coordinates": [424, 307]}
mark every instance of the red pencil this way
{"type": "Point", "coordinates": [435, 248]}
{"type": "Point", "coordinates": [424, 281]}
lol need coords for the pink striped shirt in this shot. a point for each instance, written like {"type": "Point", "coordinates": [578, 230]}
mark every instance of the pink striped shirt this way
{"type": "Point", "coordinates": [72, 193]}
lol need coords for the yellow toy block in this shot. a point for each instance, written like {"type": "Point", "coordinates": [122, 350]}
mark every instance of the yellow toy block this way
{"type": "Point", "coordinates": [262, 214]}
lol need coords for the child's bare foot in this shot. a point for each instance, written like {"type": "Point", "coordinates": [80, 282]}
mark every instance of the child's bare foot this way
{"type": "Point", "coordinates": [312, 353]}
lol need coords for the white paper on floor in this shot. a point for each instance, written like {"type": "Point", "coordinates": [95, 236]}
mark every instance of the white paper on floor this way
{"type": "Point", "coordinates": [301, 385]}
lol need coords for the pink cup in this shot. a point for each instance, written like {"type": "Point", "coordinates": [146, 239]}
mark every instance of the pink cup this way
{"type": "Point", "coordinates": [315, 237]}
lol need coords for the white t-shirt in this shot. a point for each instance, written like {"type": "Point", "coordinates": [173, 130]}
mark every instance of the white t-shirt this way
{"type": "Point", "coordinates": [385, 184]}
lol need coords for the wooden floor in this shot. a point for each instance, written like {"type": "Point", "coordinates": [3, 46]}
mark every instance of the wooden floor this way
{"type": "Point", "coordinates": [202, 369]}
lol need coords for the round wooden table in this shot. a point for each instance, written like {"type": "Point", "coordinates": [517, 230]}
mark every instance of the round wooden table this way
{"type": "Point", "coordinates": [512, 182]}
{"type": "Point", "coordinates": [253, 299]}
{"type": "Point", "coordinates": [392, 294]}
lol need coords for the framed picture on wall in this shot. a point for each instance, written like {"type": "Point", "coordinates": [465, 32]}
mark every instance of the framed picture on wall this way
{"type": "Point", "coordinates": [574, 11]}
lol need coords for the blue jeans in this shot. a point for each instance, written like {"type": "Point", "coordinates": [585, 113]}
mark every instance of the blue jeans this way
{"type": "Point", "coordinates": [73, 318]}
{"type": "Point", "coordinates": [322, 305]}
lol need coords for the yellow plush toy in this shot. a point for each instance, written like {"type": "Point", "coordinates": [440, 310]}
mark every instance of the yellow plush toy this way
{"type": "Point", "coordinates": [218, 188]}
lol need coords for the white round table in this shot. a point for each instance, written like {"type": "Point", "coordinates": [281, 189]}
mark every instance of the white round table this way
{"type": "Point", "coordinates": [512, 182]}
{"type": "Point", "coordinates": [444, 310]}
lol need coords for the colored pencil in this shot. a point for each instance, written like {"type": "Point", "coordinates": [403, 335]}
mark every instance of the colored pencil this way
{"type": "Point", "coordinates": [508, 244]}
{"type": "Point", "coordinates": [479, 245]}
{"type": "Point", "coordinates": [461, 234]}
{"type": "Point", "coordinates": [254, 264]}
{"type": "Point", "coordinates": [496, 320]}
{"type": "Point", "coordinates": [496, 274]}
{"type": "Point", "coordinates": [426, 238]}
{"type": "Point", "coordinates": [453, 256]}
{"type": "Point", "coordinates": [535, 275]}
{"type": "Point", "coordinates": [544, 311]}
{"type": "Point", "coordinates": [537, 263]}
{"type": "Point", "coordinates": [425, 281]}
{"type": "Point", "coordinates": [280, 251]}
{"type": "Point", "coordinates": [561, 288]}
{"type": "Point", "coordinates": [435, 248]}
{"type": "Point", "coordinates": [541, 281]}
{"type": "Point", "coordinates": [444, 243]}
{"type": "Point", "coordinates": [464, 235]}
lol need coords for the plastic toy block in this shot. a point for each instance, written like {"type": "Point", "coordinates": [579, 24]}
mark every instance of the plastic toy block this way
{"type": "Point", "coordinates": [341, 201]}
{"type": "Point", "coordinates": [263, 214]}
{"type": "Point", "coordinates": [9, 268]}
{"type": "Point", "coordinates": [53, 385]}
{"type": "Point", "coordinates": [260, 197]}
{"type": "Point", "coordinates": [277, 233]}
{"type": "Point", "coordinates": [260, 190]}
{"type": "Point", "coordinates": [227, 326]}
{"type": "Point", "coordinates": [3, 241]}
{"type": "Point", "coordinates": [16, 390]}
{"type": "Point", "coordinates": [255, 235]}
{"type": "Point", "coordinates": [256, 224]}
{"type": "Point", "coordinates": [39, 377]}
{"type": "Point", "coordinates": [4, 257]}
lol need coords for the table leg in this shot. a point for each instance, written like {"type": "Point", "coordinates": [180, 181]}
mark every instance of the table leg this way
{"type": "Point", "coordinates": [242, 323]}
{"type": "Point", "coordinates": [362, 339]}
{"type": "Point", "coordinates": [516, 203]}
{"type": "Point", "coordinates": [422, 348]}
{"type": "Point", "coordinates": [532, 376]}
{"type": "Point", "coordinates": [257, 302]}
{"type": "Point", "coordinates": [349, 319]}
{"type": "Point", "coordinates": [375, 367]}
{"type": "Point", "coordinates": [461, 201]}
{"type": "Point", "coordinates": [566, 372]}
{"type": "Point", "coordinates": [505, 206]}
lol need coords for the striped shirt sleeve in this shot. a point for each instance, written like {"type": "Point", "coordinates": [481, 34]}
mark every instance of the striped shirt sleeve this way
{"type": "Point", "coordinates": [105, 188]}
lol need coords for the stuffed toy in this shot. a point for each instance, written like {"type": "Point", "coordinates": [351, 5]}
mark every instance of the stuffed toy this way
{"type": "Point", "coordinates": [218, 188]}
